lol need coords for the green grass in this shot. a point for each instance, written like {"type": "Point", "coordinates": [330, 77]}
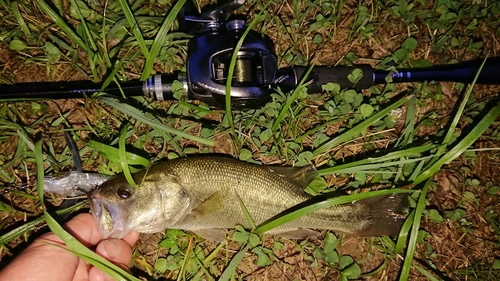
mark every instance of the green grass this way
{"type": "Point", "coordinates": [359, 140]}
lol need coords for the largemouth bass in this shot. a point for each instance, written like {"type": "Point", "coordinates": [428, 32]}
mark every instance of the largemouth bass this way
{"type": "Point", "coordinates": [202, 194]}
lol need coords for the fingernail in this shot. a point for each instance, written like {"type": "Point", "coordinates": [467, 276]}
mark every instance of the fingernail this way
{"type": "Point", "coordinates": [113, 250]}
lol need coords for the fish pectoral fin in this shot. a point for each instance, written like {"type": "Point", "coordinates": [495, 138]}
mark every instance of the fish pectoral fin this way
{"type": "Point", "coordinates": [212, 234]}
{"type": "Point", "coordinates": [211, 205]}
{"type": "Point", "coordinates": [300, 233]}
{"type": "Point", "coordinates": [300, 176]}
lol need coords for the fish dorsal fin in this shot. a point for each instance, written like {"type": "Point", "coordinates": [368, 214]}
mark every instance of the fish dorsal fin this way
{"type": "Point", "coordinates": [300, 176]}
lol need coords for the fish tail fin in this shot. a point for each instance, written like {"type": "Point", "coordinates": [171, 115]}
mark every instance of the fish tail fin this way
{"type": "Point", "coordinates": [383, 215]}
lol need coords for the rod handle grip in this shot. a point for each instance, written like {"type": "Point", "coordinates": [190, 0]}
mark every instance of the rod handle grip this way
{"type": "Point", "coordinates": [288, 78]}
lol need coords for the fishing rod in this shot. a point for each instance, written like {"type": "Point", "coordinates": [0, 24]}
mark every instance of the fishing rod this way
{"type": "Point", "coordinates": [256, 74]}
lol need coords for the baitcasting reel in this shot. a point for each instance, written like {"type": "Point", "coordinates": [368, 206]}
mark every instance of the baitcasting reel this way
{"type": "Point", "coordinates": [209, 58]}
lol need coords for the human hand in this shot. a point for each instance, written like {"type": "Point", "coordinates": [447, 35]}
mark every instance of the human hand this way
{"type": "Point", "coordinates": [43, 260]}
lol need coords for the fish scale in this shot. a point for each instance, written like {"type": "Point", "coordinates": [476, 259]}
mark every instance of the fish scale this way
{"type": "Point", "coordinates": [202, 194]}
{"type": "Point", "coordinates": [250, 183]}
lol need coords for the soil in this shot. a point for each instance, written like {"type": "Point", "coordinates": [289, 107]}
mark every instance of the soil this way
{"type": "Point", "coordinates": [449, 247]}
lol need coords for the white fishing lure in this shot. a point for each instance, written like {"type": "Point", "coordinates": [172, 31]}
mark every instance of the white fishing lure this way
{"type": "Point", "coordinates": [73, 183]}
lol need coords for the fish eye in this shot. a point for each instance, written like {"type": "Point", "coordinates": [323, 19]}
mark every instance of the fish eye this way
{"type": "Point", "coordinates": [123, 192]}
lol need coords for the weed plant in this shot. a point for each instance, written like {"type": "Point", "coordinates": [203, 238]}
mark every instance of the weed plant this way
{"type": "Point", "coordinates": [430, 139]}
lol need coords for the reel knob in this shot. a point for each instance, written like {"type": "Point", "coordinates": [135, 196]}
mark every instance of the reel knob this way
{"type": "Point", "coordinates": [236, 24]}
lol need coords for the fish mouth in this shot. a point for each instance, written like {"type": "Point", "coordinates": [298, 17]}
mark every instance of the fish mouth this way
{"type": "Point", "coordinates": [111, 217]}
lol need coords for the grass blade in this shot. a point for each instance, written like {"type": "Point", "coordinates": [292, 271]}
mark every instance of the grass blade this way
{"type": "Point", "coordinates": [54, 16]}
{"type": "Point", "coordinates": [410, 152]}
{"type": "Point", "coordinates": [27, 226]}
{"type": "Point", "coordinates": [229, 81]}
{"type": "Point", "coordinates": [403, 235]}
{"type": "Point", "coordinates": [317, 203]}
{"type": "Point", "coordinates": [86, 254]}
{"type": "Point", "coordinates": [427, 274]}
{"type": "Point", "coordinates": [90, 39]}
{"type": "Point", "coordinates": [359, 129]}
{"type": "Point", "coordinates": [371, 167]}
{"type": "Point", "coordinates": [123, 156]}
{"type": "Point", "coordinates": [113, 154]}
{"type": "Point", "coordinates": [409, 128]}
{"type": "Point", "coordinates": [160, 39]}
{"type": "Point", "coordinates": [134, 112]}
{"type": "Point", "coordinates": [19, 18]}
{"type": "Point", "coordinates": [458, 115]}
{"type": "Point", "coordinates": [245, 211]}
{"type": "Point", "coordinates": [412, 244]}
{"type": "Point", "coordinates": [231, 268]}
{"type": "Point", "coordinates": [291, 99]}
{"type": "Point", "coordinates": [463, 145]}
{"type": "Point", "coordinates": [134, 26]}
{"type": "Point", "coordinates": [40, 173]}
{"type": "Point", "coordinates": [22, 135]}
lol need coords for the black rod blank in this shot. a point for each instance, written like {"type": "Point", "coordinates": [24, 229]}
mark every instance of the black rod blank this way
{"type": "Point", "coordinates": [66, 90]}
{"type": "Point", "coordinates": [461, 72]}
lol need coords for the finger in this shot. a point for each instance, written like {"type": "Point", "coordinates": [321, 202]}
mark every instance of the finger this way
{"type": "Point", "coordinates": [82, 271]}
{"type": "Point", "coordinates": [84, 228]}
{"type": "Point", "coordinates": [47, 259]}
{"type": "Point", "coordinates": [132, 238]}
{"type": "Point", "coordinates": [97, 275]}
{"type": "Point", "coordinates": [42, 260]}
{"type": "Point", "coordinates": [116, 251]}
